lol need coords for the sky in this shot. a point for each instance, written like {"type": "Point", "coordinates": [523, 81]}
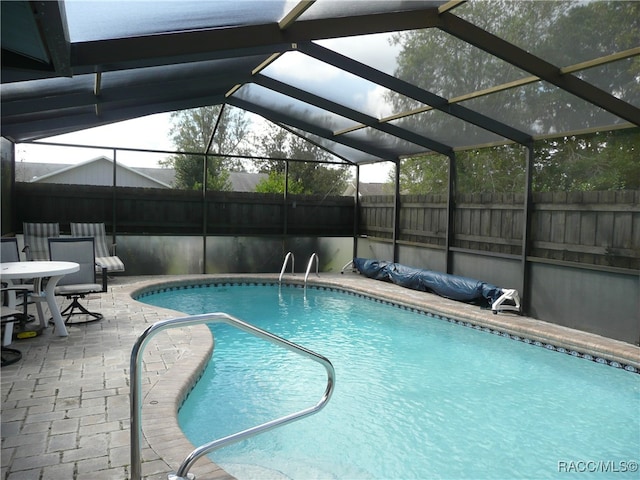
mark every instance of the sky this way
{"type": "Point", "coordinates": [150, 132]}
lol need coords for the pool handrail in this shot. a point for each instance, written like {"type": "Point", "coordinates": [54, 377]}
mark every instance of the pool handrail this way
{"type": "Point", "coordinates": [136, 389]}
{"type": "Point", "coordinates": [347, 265]}
{"type": "Point", "coordinates": [309, 265]}
{"type": "Point", "coordinates": [284, 265]}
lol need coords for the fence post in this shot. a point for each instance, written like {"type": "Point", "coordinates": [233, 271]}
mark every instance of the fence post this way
{"type": "Point", "coordinates": [526, 232]}
{"type": "Point", "coordinates": [451, 201]}
{"type": "Point", "coordinates": [396, 212]}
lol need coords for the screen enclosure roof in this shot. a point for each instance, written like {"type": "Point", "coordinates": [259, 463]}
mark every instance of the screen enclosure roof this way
{"type": "Point", "coordinates": [368, 80]}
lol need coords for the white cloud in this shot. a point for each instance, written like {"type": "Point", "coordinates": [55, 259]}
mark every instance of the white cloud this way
{"type": "Point", "coordinates": [377, 103]}
{"type": "Point", "coordinates": [297, 68]}
{"type": "Point", "coordinates": [373, 50]}
{"type": "Point", "coordinates": [376, 172]}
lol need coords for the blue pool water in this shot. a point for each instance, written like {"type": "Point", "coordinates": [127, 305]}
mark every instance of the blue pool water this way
{"type": "Point", "coordinates": [416, 397]}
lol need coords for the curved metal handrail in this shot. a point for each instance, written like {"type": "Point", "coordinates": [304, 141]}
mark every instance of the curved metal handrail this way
{"type": "Point", "coordinates": [306, 275]}
{"type": "Point", "coordinates": [136, 389]}
{"type": "Point", "coordinates": [349, 263]}
{"type": "Point", "coordinates": [284, 265]}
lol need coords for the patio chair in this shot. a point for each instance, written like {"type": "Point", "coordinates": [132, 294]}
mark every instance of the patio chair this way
{"type": "Point", "coordinates": [10, 252]}
{"type": "Point", "coordinates": [105, 257]}
{"type": "Point", "coordinates": [8, 316]}
{"type": "Point", "coordinates": [35, 239]}
{"type": "Point", "coordinates": [75, 286]}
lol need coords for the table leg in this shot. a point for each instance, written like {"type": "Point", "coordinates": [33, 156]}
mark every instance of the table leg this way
{"type": "Point", "coordinates": [11, 295]}
{"type": "Point", "coordinates": [8, 328]}
{"type": "Point", "coordinates": [60, 327]}
{"type": "Point", "coordinates": [38, 296]}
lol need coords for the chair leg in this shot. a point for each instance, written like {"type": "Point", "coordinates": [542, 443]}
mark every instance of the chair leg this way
{"type": "Point", "coordinates": [25, 327]}
{"type": "Point", "coordinates": [10, 356]}
{"type": "Point", "coordinates": [76, 308]}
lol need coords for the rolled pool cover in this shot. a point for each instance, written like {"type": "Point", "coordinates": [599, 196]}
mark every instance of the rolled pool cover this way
{"type": "Point", "coordinates": [449, 286]}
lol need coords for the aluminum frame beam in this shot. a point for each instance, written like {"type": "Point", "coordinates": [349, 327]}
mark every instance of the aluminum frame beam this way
{"type": "Point", "coordinates": [392, 83]}
{"type": "Point", "coordinates": [354, 115]}
{"type": "Point", "coordinates": [278, 117]}
{"type": "Point", "coordinates": [217, 43]}
{"type": "Point", "coordinates": [476, 36]}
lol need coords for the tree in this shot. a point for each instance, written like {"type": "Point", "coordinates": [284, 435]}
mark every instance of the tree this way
{"type": "Point", "coordinates": [307, 177]}
{"type": "Point", "coordinates": [275, 183]}
{"type": "Point", "coordinates": [191, 131]}
{"type": "Point", "coordinates": [444, 65]}
{"type": "Point", "coordinates": [585, 30]}
{"type": "Point", "coordinates": [496, 169]}
{"type": "Point", "coordinates": [423, 174]}
{"type": "Point", "coordinates": [448, 67]}
{"type": "Point", "coordinates": [595, 161]}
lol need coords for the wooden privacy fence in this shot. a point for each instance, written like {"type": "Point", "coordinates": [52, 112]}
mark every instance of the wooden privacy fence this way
{"type": "Point", "coordinates": [182, 212]}
{"type": "Point", "coordinates": [590, 228]}
{"type": "Point", "coordinates": [593, 228]}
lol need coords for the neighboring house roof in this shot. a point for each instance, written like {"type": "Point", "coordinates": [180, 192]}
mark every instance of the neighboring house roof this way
{"type": "Point", "coordinates": [164, 175]}
{"type": "Point", "coordinates": [99, 171]}
{"type": "Point", "coordinates": [29, 171]}
{"type": "Point", "coordinates": [245, 181]}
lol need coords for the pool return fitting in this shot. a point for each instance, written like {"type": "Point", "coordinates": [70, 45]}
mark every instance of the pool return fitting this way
{"type": "Point", "coordinates": [136, 390]}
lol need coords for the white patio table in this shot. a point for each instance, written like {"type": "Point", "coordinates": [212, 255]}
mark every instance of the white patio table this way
{"type": "Point", "coordinates": [39, 270]}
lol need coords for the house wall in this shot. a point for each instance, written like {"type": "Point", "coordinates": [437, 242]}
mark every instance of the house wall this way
{"type": "Point", "coordinates": [99, 173]}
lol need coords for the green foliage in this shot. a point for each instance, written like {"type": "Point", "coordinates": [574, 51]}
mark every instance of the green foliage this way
{"type": "Point", "coordinates": [583, 28]}
{"type": "Point", "coordinates": [424, 174]}
{"type": "Point", "coordinates": [310, 177]}
{"type": "Point", "coordinates": [564, 32]}
{"type": "Point", "coordinates": [597, 161]}
{"type": "Point", "coordinates": [190, 133]}
{"type": "Point", "coordinates": [497, 169]}
{"type": "Point", "coordinates": [449, 67]}
{"type": "Point", "coordinates": [275, 182]}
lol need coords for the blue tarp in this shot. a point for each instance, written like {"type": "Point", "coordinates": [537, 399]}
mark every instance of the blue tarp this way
{"type": "Point", "coordinates": [449, 286]}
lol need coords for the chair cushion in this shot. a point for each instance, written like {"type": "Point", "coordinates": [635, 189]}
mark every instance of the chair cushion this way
{"type": "Point", "coordinates": [95, 230]}
{"type": "Point", "coordinates": [77, 289]}
{"type": "Point", "coordinates": [8, 314]}
{"type": "Point", "coordinates": [112, 264]}
{"type": "Point", "coordinates": [35, 237]}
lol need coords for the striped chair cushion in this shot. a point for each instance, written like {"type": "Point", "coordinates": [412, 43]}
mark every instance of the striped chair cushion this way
{"type": "Point", "coordinates": [112, 264]}
{"type": "Point", "coordinates": [104, 258]}
{"type": "Point", "coordinates": [35, 238]}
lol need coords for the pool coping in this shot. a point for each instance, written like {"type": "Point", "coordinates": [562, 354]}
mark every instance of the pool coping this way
{"type": "Point", "coordinates": [163, 399]}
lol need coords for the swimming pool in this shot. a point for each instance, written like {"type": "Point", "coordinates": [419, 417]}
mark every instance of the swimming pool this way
{"type": "Point", "coordinates": [416, 397]}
